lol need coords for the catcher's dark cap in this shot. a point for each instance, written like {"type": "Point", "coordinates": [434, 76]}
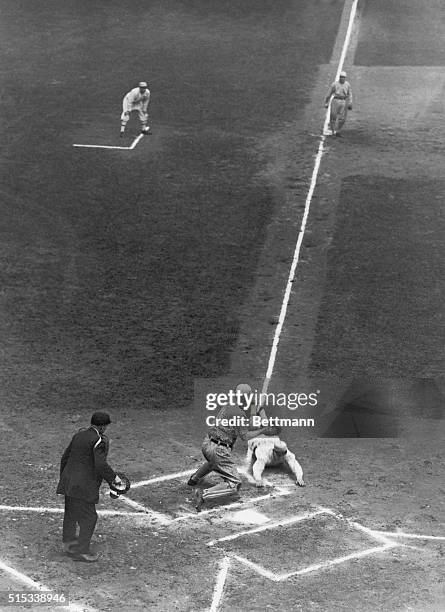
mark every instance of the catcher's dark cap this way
{"type": "Point", "coordinates": [100, 418]}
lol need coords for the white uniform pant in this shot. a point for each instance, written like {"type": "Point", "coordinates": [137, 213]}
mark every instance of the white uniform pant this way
{"type": "Point", "coordinates": [143, 116]}
{"type": "Point", "coordinates": [339, 112]}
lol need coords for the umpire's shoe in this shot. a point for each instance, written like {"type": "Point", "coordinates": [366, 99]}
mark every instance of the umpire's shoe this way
{"type": "Point", "coordinates": [70, 547]}
{"type": "Point", "coordinates": [199, 500]}
{"type": "Point", "coordinates": [192, 482]}
{"type": "Point", "coordinates": [86, 557]}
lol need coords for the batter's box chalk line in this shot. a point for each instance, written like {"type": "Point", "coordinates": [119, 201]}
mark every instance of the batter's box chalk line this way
{"type": "Point", "coordinates": [164, 519]}
{"type": "Point", "coordinates": [386, 540]}
{"type": "Point", "coordinates": [142, 511]}
{"type": "Point", "coordinates": [385, 543]}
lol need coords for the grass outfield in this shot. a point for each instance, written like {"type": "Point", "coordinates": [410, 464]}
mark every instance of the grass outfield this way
{"type": "Point", "coordinates": [125, 271]}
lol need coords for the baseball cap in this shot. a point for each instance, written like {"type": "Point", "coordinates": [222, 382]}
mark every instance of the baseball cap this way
{"type": "Point", "coordinates": [343, 73]}
{"type": "Point", "coordinates": [142, 84]}
{"type": "Point", "coordinates": [244, 388]}
{"type": "Point", "coordinates": [100, 418]}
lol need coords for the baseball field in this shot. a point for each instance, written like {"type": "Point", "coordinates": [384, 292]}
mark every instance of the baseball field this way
{"type": "Point", "coordinates": [238, 242]}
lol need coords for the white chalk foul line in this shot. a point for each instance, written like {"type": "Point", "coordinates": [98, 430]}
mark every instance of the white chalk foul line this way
{"type": "Point", "coordinates": [33, 584]}
{"type": "Point", "coordinates": [296, 257]}
{"type": "Point", "coordinates": [414, 536]}
{"type": "Point", "coordinates": [372, 533]}
{"type": "Point", "coordinates": [93, 146]}
{"type": "Point", "coordinates": [218, 591]}
{"type": "Point", "coordinates": [45, 510]}
{"type": "Point", "coordinates": [382, 536]}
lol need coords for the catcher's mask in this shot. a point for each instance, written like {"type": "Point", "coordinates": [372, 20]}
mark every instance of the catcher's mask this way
{"type": "Point", "coordinates": [114, 492]}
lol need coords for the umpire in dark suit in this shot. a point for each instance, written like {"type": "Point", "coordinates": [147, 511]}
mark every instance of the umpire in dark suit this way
{"type": "Point", "coordinates": [82, 468]}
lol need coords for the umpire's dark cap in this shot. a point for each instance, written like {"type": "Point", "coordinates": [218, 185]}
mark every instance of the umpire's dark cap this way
{"type": "Point", "coordinates": [100, 418]}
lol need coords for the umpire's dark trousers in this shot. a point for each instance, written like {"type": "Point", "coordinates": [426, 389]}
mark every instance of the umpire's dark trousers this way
{"type": "Point", "coordinates": [82, 513]}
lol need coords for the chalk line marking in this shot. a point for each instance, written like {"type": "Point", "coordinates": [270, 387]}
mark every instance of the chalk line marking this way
{"type": "Point", "coordinates": [92, 146]}
{"type": "Point", "coordinates": [382, 536]}
{"type": "Point", "coordinates": [384, 545]}
{"type": "Point", "coordinates": [414, 536]}
{"type": "Point", "coordinates": [157, 516]}
{"type": "Point", "coordinates": [279, 493]}
{"type": "Point", "coordinates": [257, 568]}
{"type": "Point", "coordinates": [274, 525]}
{"type": "Point", "coordinates": [314, 567]}
{"type": "Point", "coordinates": [142, 510]}
{"type": "Point", "coordinates": [45, 510]}
{"type": "Point", "coordinates": [150, 481]}
{"type": "Point", "coordinates": [143, 483]}
{"type": "Point", "coordinates": [338, 560]}
{"type": "Point", "coordinates": [33, 584]}
{"type": "Point", "coordinates": [372, 533]}
{"type": "Point", "coordinates": [296, 257]}
{"type": "Point", "coordinates": [218, 591]}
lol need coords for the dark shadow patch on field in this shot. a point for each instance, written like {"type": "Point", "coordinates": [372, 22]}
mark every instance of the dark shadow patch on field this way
{"type": "Point", "coordinates": [382, 309]}
{"type": "Point", "coordinates": [401, 33]}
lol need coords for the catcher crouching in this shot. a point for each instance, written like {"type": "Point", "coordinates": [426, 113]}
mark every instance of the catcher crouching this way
{"type": "Point", "coordinates": [217, 449]}
{"type": "Point", "coordinates": [82, 468]}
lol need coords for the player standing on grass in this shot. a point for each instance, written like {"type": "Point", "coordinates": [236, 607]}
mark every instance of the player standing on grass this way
{"type": "Point", "coordinates": [217, 449]}
{"type": "Point", "coordinates": [82, 468]}
{"type": "Point", "coordinates": [136, 100]}
{"type": "Point", "coordinates": [340, 96]}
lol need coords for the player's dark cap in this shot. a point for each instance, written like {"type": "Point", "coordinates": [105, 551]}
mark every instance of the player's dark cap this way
{"type": "Point", "coordinates": [100, 418]}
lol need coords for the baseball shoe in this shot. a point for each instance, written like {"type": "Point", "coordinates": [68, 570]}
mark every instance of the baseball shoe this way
{"type": "Point", "coordinates": [191, 482]}
{"type": "Point", "coordinates": [199, 500]}
{"type": "Point", "coordinates": [122, 134]}
{"type": "Point", "coordinates": [145, 130]}
{"type": "Point", "coordinates": [86, 557]}
{"type": "Point", "coordinates": [338, 134]}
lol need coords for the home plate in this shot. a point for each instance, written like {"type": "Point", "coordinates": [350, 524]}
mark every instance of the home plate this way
{"type": "Point", "coordinates": [250, 517]}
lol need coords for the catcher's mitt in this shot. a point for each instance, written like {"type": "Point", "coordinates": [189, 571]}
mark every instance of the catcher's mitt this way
{"type": "Point", "coordinates": [115, 490]}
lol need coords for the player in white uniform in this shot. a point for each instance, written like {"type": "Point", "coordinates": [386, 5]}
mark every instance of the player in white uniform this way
{"type": "Point", "coordinates": [263, 452]}
{"type": "Point", "coordinates": [340, 97]}
{"type": "Point", "coordinates": [136, 100]}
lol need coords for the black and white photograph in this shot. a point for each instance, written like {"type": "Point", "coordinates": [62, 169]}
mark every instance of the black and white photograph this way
{"type": "Point", "coordinates": [222, 315]}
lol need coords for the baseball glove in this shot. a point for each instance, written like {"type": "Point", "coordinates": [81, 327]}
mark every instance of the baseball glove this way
{"type": "Point", "coordinates": [116, 490]}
